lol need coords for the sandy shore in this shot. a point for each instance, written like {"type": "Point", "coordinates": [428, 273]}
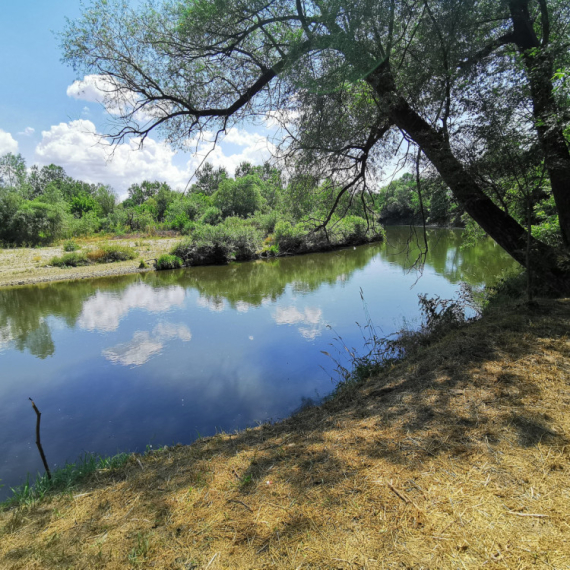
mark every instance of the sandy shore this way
{"type": "Point", "coordinates": [28, 266]}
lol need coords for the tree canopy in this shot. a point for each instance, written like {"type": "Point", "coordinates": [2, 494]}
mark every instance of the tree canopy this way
{"type": "Point", "coordinates": [352, 81]}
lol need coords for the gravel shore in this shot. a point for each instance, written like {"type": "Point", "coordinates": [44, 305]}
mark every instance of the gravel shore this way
{"type": "Point", "coordinates": [29, 266]}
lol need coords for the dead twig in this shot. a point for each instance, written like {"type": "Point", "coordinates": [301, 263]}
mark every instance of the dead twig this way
{"type": "Point", "coordinates": [38, 442]}
{"type": "Point", "coordinates": [241, 503]}
{"type": "Point", "coordinates": [536, 515]}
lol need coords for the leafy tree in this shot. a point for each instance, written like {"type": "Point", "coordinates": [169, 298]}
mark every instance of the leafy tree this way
{"type": "Point", "coordinates": [40, 178]}
{"type": "Point", "coordinates": [209, 178]}
{"type": "Point", "coordinates": [12, 170]}
{"type": "Point", "coordinates": [81, 204]}
{"type": "Point", "coordinates": [240, 197]}
{"type": "Point", "coordinates": [349, 79]}
{"type": "Point", "coordinates": [139, 193]}
{"type": "Point", "coordinates": [106, 198]}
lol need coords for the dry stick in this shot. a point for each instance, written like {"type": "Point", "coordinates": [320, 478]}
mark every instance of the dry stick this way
{"type": "Point", "coordinates": [528, 515]}
{"type": "Point", "coordinates": [38, 442]}
{"type": "Point", "coordinates": [241, 503]}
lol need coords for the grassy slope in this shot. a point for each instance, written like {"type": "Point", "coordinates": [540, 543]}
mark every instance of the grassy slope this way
{"type": "Point", "coordinates": [457, 457]}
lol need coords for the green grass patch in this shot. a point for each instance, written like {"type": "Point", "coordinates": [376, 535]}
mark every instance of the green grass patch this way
{"type": "Point", "coordinates": [64, 479]}
{"type": "Point", "coordinates": [70, 245]}
{"type": "Point", "coordinates": [71, 259]}
{"type": "Point", "coordinates": [167, 261]}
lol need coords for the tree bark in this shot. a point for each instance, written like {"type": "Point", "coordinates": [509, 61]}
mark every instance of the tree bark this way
{"type": "Point", "coordinates": [539, 66]}
{"type": "Point", "coordinates": [502, 227]}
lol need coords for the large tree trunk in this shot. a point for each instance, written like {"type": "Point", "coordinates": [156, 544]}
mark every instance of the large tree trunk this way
{"type": "Point", "coordinates": [503, 228]}
{"type": "Point", "coordinates": [539, 66]}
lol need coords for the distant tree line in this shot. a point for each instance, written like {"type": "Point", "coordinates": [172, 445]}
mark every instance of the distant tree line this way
{"type": "Point", "coordinates": [41, 205]}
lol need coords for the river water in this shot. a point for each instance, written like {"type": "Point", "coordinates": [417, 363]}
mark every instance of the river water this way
{"type": "Point", "coordinates": [117, 364]}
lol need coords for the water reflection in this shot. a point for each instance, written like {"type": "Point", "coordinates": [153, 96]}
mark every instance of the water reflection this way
{"type": "Point", "coordinates": [311, 320]}
{"type": "Point", "coordinates": [104, 311]}
{"type": "Point", "coordinates": [117, 363]}
{"type": "Point", "coordinates": [145, 344]}
{"type": "Point", "coordinates": [100, 305]}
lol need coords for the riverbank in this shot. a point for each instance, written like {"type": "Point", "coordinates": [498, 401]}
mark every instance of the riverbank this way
{"type": "Point", "coordinates": [30, 266]}
{"type": "Point", "coordinates": [457, 456]}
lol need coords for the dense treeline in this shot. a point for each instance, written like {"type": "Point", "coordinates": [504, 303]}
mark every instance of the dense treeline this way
{"type": "Point", "coordinates": [237, 217]}
{"type": "Point", "coordinates": [250, 213]}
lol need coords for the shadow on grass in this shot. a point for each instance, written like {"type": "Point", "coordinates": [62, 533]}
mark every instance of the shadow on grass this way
{"type": "Point", "coordinates": [497, 381]}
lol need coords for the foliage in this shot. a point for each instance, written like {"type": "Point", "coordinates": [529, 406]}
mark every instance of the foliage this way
{"type": "Point", "coordinates": [70, 245]}
{"type": "Point", "coordinates": [111, 253]}
{"type": "Point", "coordinates": [103, 254]}
{"type": "Point", "coordinates": [71, 259]}
{"type": "Point", "coordinates": [167, 261]}
{"type": "Point", "coordinates": [233, 239]}
{"type": "Point", "coordinates": [34, 223]}
{"type": "Point", "coordinates": [63, 479]}
{"type": "Point", "coordinates": [240, 197]}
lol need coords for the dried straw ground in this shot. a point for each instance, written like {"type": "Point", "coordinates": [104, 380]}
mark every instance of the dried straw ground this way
{"type": "Point", "coordinates": [455, 458]}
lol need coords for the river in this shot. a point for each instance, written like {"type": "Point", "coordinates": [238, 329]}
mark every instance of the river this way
{"type": "Point", "coordinates": [117, 364]}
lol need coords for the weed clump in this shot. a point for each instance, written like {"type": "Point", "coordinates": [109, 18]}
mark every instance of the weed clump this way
{"type": "Point", "coordinates": [63, 479]}
{"type": "Point", "coordinates": [167, 261]}
{"type": "Point", "coordinates": [72, 259]}
{"type": "Point", "coordinates": [70, 245]}
{"type": "Point", "coordinates": [111, 253]}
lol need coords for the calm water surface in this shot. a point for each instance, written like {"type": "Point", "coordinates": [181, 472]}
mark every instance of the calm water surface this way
{"type": "Point", "coordinates": [115, 364]}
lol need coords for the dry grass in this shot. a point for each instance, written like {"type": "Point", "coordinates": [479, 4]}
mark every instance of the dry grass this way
{"type": "Point", "coordinates": [455, 458]}
{"type": "Point", "coordinates": [25, 266]}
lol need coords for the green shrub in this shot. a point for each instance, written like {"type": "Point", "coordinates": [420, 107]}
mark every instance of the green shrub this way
{"type": "Point", "coordinates": [88, 224]}
{"type": "Point", "coordinates": [111, 253]}
{"type": "Point", "coordinates": [167, 261]}
{"type": "Point", "coordinates": [72, 259]}
{"type": "Point", "coordinates": [35, 223]}
{"type": "Point", "coordinates": [234, 239]}
{"type": "Point", "coordinates": [70, 245]}
{"type": "Point", "coordinates": [212, 216]}
{"type": "Point", "coordinates": [288, 238]}
{"type": "Point", "coordinates": [353, 229]}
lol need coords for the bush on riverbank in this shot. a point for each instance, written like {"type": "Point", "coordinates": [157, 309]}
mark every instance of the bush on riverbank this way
{"type": "Point", "coordinates": [168, 262]}
{"type": "Point", "coordinates": [102, 254]}
{"type": "Point", "coordinates": [111, 253]}
{"type": "Point", "coordinates": [237, 239]}
{"type": "Point", "coordinates": [71, 259]}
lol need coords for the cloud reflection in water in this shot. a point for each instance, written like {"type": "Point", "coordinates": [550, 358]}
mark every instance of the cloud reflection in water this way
{"type": "Point", "coordinates": [145, 344]}
{"type": "Point", "coordinates": [311, 318]}
{"type": "Point", "coordinates": [103, 312]}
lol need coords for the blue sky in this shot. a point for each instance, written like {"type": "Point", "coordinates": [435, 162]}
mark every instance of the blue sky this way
{"type": "Point", "coordinates": [47, 118]}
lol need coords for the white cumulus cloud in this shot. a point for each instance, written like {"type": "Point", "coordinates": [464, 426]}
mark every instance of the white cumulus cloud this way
{"type": "Point", "coordinates": [7, 143]}
{"type": "Point", "coordinates": [85, 155]}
